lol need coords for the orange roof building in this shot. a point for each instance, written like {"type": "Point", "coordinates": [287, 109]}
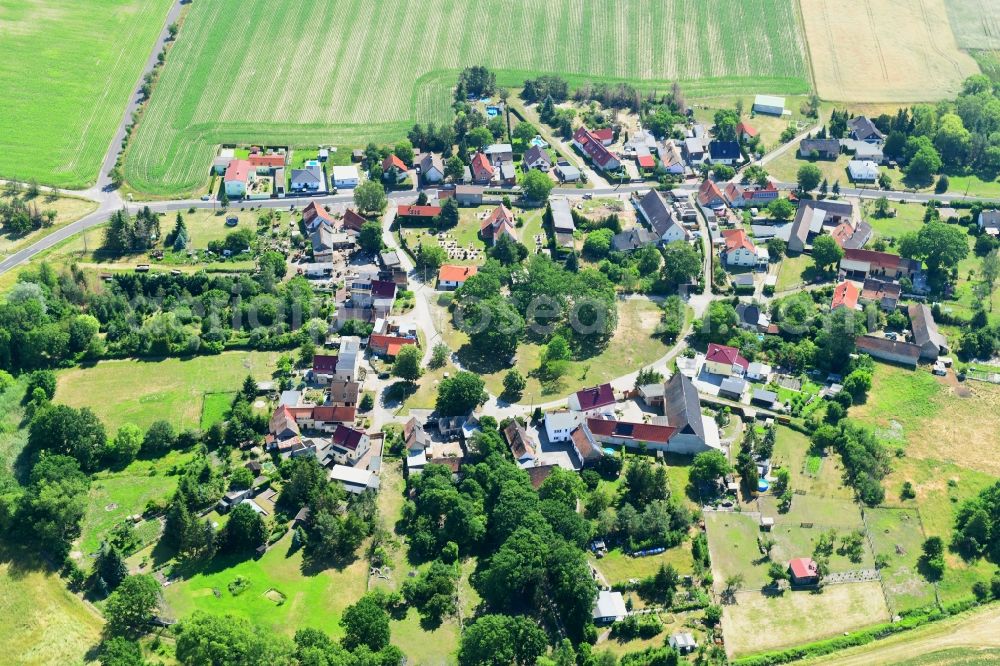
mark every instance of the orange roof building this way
{"type": "Point", "coordinates": [845, 295]}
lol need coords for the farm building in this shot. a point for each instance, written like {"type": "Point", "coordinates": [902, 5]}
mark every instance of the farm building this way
{"type": "Point", "coordinates": [354, 480]}
{"type": "Point", "coordinates": [609, 607]}
{"type": "Point", "coordinates": [895, 351]}
{"type": "Point", "coordinates": [804, 571]}
{"type": "Point", "coordinates": [469, 195]}
{"type": "Point", "coordinates": [694, 431]}
{"type": "Point", "coordinates": [769, 104]}
{"type": "Point", "coordinates": [562, 216]}
{"type": "Point", "coordinates": [883, 292]}
{"type": "Point", "coordinates": [522, 445]}
{"type": "Point", "coordinates": [861, 264]}
{"type": "Point", "coordinates": [925, 332]}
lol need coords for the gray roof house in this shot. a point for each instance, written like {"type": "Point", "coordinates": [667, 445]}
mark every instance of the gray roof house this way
{"type": "Point", "coordinates": [654, 210]}
{"type": "Point", "coordinates": [863, 129]}
{"type": "Point", "coordinates": [682, 408]}
{"type": "Point", "coordinates": [827, 149]}
{"type": "Point", "coordinates": [989, 221]}
{"type": "Point", "coordinates": [633, 239]}
{"type": "Point", "coordinates": [562, 216]}
{"type": "Point", "coordinates": [537, 158]}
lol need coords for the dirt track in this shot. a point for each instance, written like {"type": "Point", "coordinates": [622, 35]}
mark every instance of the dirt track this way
{"type": "Point", "coordinates": [980, 629]}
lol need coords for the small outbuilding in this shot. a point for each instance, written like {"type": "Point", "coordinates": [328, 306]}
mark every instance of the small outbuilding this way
{"type": "Point", "coordinates": [609, 607]}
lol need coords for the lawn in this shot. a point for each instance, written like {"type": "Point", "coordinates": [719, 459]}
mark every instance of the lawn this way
{"type": "Point", "coordinates": [618, 567]}
{"type": "Point", "coordinates": [793, 271]}
{"type": "Point", "coordinates": [816, 475]}
{"type": "Point", "coordinates": [41, 623]}
{"type": "Point", "coordinates": [214, 408]}
{"type": "Point", "coordinates": [759, 622]}
{"type": "Point", "coordinates": [265, 102]}
{"type": "Point", "coordinates": [909, 219]}
{"type": "Point", "coordinates": [69, 68]}
{"type": "Point", "coordinates": [142, 391]}
{"type": "Point", "coordinates": [786, 166]}
{"type": "Point", "coordinates": [68, 209]}
{"type": "Point", "coordinates": [898, 535]}
{"type": "Point", "coordinates": [631, 348]}
{"type": "Point", "coordinates": [314, 600]}
{"type": "Point", "coordinates": [117, 494]}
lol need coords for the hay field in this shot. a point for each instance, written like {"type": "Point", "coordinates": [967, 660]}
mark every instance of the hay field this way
{"type": "Point", "coordinates": [354, 71]}
{"type": "Point", "coordinates": [884, 50]}
{"type": "Point", "coordinates": [67, 71]}
{"type": "Point", "coordinates": [759, 622]}
{"type": "Point", "coordinates": [966, 637]}
{"type": "Point", "coordinates": [976, 23]}
{"type": "Point", "coordinates": [41, 623]}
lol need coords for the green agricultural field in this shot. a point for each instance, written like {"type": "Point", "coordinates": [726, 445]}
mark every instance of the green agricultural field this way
{"type": "Point", "coordinates": [354, 71]}
{"type": "Point", "coordinates": [142, 391]}
{"type": "Point", "coordinates": [68, 70]}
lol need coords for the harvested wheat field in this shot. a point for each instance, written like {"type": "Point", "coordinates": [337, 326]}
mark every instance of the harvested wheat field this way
{"type": "Point", "coordinates": [967, 637]}
{"type": "Point", "coordinates": [884, 50]}
{"type": "Point", "coordinates": [758, 622]}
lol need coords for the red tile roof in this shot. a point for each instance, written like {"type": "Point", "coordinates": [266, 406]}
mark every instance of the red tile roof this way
{"type": "Point", "coordinates": [845, 295]}
{"type": "Point", "coordinates": [583, 445]}
{"type": "Point", "coordinates": [646, 161]}
{"type": "Point", "coordinates": [881, 259]}
{"type": "Point", "coordinates": [708, 191]}
{"type": "Point", "coordinates": [737, 239]}
{"type": "Point", "coordinates": [330, 414]}
{"type": "Point", "coordinates": [745, 128]}
{"type": "Point", "coordinates": [386, 343]}
{"type": "Point", "coordinates": [393, 161]}
{"type": "Point", "coordinates": [500, 215]}
{"type": "Point", "coordinates": [275, 160]}
{"type": "Point", "coordinates": [481, 168]}
{"type": "Point", "coordinates": [723, 354]}
{"type": "Point", "coordinates": [238, 170]}
{"type": "Point", "coordinates": [595, 397]}
{"type": "Point", "coordinates": [419, 211]}
{"type": "Point", "coordinates": [603, 135]}
{"type": "Point", "coordinates": [314, 210]}
{"type": "Point", "coordinates": [803, 567]}
{"type": "Point", "coordinates": [352, 220]}
{"type": "Point", "coordinates": [451, 273]}
{"type": "Point", "coordinates": [324, 363]}
{"type": "Point", "coordinates": [640, 432]}
{"type": "Point", "coordinates": [347, 437]}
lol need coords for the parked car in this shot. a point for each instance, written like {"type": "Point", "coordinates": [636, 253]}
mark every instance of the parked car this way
{"type": "Point", "coordinates": [205, 197]}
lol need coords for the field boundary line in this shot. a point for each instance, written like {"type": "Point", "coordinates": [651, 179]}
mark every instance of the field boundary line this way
{"type": "Point", "coordinates": [800, 19]}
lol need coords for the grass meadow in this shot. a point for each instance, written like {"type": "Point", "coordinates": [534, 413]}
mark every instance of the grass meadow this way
{"type": "Point", "coordinates": [41, 622]}
{"type": "Point", "coordinates": [143, 391]}
{"type": "Point", "coordinates": [69, 68]}
{"type": "Point", "coordinates": [240, 73]}
{"type": "Point", "coordinates": [68, 209]}
{"type": "Point", "coordinates": [758, 621]}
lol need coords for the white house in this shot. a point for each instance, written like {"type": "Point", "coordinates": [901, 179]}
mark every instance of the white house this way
{"type": "Point", "coordinates": [654, 210]}
{"type": "Point", "coordinates": [453, 277]}
{"type": "Point", "coordinates": [739, 250]}
{"type": "Point", "coordinates": [559, 424]}
{"type": "Point", "coordinates": [769, 104]}
{"type": "Point", "coordinates": [345, 176]}
{"type": "Point", "coordinates": [863, 170]}
{"type": "Point", "coordinates": [432, 168]}
{"type": "Point", "coordinates": [758, 372]}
